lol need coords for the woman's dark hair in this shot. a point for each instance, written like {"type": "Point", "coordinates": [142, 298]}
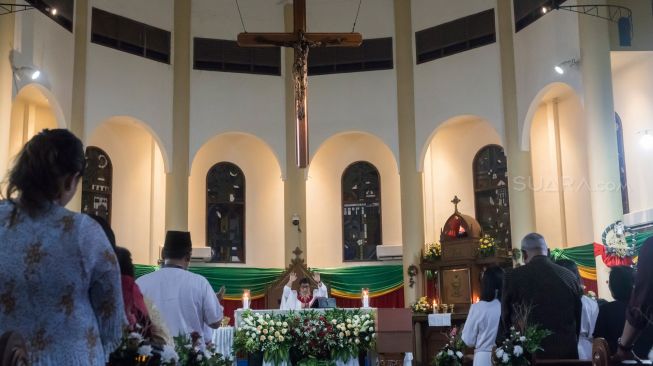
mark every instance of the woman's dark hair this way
{"type": "Point", "coordinates": [491, 283]}
{"type": "Point", "coordinates": [621, 282]}
{"type": "Point", "coordinates": [107, 229]}
{"type": "Point", "coordinates": [125, 261]}
{"type": "Point", "coordinates": [39, 169]}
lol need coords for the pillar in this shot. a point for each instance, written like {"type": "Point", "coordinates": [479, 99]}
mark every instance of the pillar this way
{"type": "Point", "coordinates": [604, 179]}
{"type": "Point", "coordinates": [7, 25]}
{"type": "Point", "coordinates": [412, 213]}
{"type": "Point", "coordinates": [176, 217]}
{"type": "Point", "coordinates": [522, 208]}
{"type": "Point", "coordinates": [294, 188]}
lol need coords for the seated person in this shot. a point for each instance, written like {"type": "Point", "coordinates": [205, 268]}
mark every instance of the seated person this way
{"type": "Point", "coordinates": [291, 300]}
{"type": "Point", "coordinates": [612, 315]}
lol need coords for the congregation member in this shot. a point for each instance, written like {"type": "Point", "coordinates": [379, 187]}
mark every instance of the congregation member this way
{"type": "Point", "coordinates": [590, 311]}
{"type": "Point", "coordinates": [59, 278]}
{"type": "Point", "coordinates": [186, 300]}
{"type": "Point", "coordinates": [553, 295]}
{"type": "Point", "coordinates": [612, 315]}
{"type": "Point", "coordinates": [639, 314]}
{"type": "Point", "coordinates": [293, 300]}
{"type": "Point", "coordinates": [480, 330]}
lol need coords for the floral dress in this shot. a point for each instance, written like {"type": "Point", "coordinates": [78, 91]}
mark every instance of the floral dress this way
{"type": "Point", "coordinates": [59, 286]}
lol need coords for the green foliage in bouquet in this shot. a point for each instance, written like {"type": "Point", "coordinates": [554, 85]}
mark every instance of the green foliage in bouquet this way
{"type": "Point", "coordinates": [422, 306]}
{"type": "Point", "coordinates": [487, 246]}
{"type": "Point", "coordinates": [452, 353]}
{"type": "Point", "coordinates": [433, 252]}
{"type": "Point", "coordinates": [192, 351]}
{"type": "Point", "coordinates": [135, 350]}
{"type": "Point", "coordinates": [522, 343]}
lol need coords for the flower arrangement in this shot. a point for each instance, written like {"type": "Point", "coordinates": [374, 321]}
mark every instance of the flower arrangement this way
{"type": "Point", "coordinates": [267, 333]}
{"type": "Point", "coordinates": [487, 246]}
{"type": "Point", "coordinates": [192, 351]}
{"type": "Point", "coordinates": [591, 294]}
{"type": "Point", "coordinates": [135, 350]}
{"type": "Point", "coordinates": [452, 353]}
{"type": "Point", "coordinates": [422, 306]}
{"type": "Point", "coordinates": [432, 251]}
{"type": "Point", "coordinates": [522, 343]}
{"type": "Point", "coordinates": [309, 337]}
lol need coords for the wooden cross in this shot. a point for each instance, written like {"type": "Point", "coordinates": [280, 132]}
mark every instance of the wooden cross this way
{"type": "Point", "coordinates": [300, 41]}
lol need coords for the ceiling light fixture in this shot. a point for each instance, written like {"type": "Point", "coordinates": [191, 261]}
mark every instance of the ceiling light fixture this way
{"type": "Point", "coordinates": [544, 10]}
{"type": "Point", "coordinates": [31, 72]}
{"type": "Point", "coordinates": [53, 11]}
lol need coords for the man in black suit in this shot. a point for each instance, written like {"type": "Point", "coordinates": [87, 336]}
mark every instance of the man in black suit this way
{"type": "Point", "coordinates": [552, 292]}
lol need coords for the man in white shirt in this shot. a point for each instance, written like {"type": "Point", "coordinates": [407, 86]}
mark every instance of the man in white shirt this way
{"type": "Point", "coordinates": [186, 300]}
{"type": "Point", "coordinates": [291, 300]}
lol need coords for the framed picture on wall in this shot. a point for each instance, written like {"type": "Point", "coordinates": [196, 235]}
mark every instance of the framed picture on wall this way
{"type": "Point", "coordinates": [456, 286]}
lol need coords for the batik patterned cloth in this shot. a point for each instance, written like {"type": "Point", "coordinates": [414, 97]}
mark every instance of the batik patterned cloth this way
{"type": "Point", "coordinates": [59, 286]}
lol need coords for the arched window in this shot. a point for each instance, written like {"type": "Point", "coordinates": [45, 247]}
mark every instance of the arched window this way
{"type": "Point", "coordinates": [491, 193]}
{"type": "Point", "coordinates": [622, 164]}
{"type": "Point", "coordinates": [225, 213]}
{"type": "Point", "coordinates": [361, 212]}
{"type": "Point", "coordinates": [97, 183]}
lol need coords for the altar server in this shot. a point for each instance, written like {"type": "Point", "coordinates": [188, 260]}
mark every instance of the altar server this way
{"type": "Point", "coordinates": [292, 300]}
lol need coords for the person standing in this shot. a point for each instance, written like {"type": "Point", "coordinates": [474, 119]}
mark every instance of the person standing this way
{"type": "Point", "coordinates": [553, 295]}
{"type": "Point", "coordinates": [588, 316]}
{"type": "Point", "coordinates": [293, 300]}
{"type": "Point", "coordinates": [186, 300]}
{"type": "Point", "coordinates": [59, 277]}
{"type": "Point", "coordinates": [480, 329]}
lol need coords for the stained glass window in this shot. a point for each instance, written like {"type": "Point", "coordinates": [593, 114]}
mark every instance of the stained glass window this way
{"type": "Point", "coordinates": [491, 193]}
{"type": "Point", "coordinates": [622, 164]}
{"type": "Point", "coordinates": [225, 213]}
{"type": "Point", "coordinates": [361, 212]}
{"type": "Point", "coordinates": [97, 183]}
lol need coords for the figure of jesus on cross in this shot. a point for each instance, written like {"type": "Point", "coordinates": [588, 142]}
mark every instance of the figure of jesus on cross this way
{"type": "Point", "coordinates": [300, 41]}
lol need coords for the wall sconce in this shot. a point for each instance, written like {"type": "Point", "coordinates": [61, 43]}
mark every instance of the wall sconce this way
{"type": "Point", "coordinates": [646, 139]}
{"type": "Point", "coordinates": [27, 72]}
{"type": "Point", "coordinates": [560, 68]}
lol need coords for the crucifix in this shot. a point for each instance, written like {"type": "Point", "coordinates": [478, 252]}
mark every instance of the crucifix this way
{"type": "Point", "coordinates": [301, 42]}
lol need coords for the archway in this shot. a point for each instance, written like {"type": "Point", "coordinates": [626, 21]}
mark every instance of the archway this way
{"type": "Point", "coordinates": [447, 169]}
{"type": "Point", "coordinates": [263, 198]}
{"type": "Point", "coordinates": [560, 185]}
{"type": "Point", "coordinates": [33, 109]}
{"type": "Point", "coordinates": [138, 190]}
{"type": "Point", "coordinates": [324, 211]}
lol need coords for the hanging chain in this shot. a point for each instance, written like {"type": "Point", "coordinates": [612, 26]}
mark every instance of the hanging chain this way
{"type": "Point", "coordinates": [241, 17]}
{"type": "Point", "coordinates": [357, 12]}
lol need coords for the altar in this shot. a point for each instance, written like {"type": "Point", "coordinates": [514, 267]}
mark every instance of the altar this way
{"type": "Point", "coordinates": [348, 335]}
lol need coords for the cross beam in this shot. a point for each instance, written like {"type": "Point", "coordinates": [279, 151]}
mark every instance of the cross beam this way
{"type": "Point", "coordinates": [301, 42]}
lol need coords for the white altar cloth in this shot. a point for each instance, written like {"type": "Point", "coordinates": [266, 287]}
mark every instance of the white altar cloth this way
{"type": "Point", "coordinates": [440, 320]}
{"type": "Point", "coordinates": [223, 339]}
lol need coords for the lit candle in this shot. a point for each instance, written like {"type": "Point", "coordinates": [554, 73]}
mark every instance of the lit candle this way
{"type": "Point", "coordinates": [245, 299]}
{"type": "Point", "coordinates": [435, 307]}
{"type": "Point", "coordinates": [477, 299]}
{"type": "Point", "coordinates": [366, 298]}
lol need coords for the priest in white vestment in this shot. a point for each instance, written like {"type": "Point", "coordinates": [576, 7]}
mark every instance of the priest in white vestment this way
{"type": "Point", "coordinates": [292, 300]}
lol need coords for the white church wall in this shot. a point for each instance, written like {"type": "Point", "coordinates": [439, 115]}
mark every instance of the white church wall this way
{"type": "Point", "coordinates": [136, 194]}
{"type": "Point", "coordinates": [540, 46]}
{"type": "Point", "coordinates": [42, 43]}
{"type": "Point", "coordinates": [118, 83]}
{"type": "Point", "coordinates": [360, 101]}
{"type": "Point", "coordinates": [223, 102]}
{"type": "Point", "coordinates": [441, 90]}
{"type": "Point", "coordinates": [632, 80]}
{"type": "Point", "coordinates": [324, 196]}
{"type": "Point", "coordinates": [264, 235]}
{"type": "Point", "coordinates": [31, 112]}
{"type": "Point", "coordinates": [573, 176]}
{"type": "Point", "coordinates": [642, 26]}
{"type": "Point", "coordinates": [448, 169]}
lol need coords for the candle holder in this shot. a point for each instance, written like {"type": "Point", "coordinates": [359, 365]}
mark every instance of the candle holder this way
{"type": "Point", "coordinates": [445, 308]}
{"type": "Point", "coordinates": [246, 299]}
{"type": "Point", "coordinates": [365, 297]}
{"type": "Point", "coordinates": [451, 306]}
